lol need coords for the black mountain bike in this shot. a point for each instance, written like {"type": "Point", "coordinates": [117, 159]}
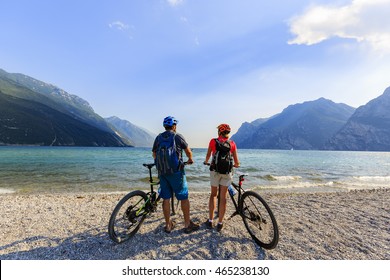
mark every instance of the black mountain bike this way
{"type": "Point", "coordinates": [256, 214]}
{"type": "Point", "coordinates": [132, 209]}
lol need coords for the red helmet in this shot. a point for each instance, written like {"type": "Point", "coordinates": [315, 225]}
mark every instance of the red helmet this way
{"type": "Point", "coordinates": [223, 128]}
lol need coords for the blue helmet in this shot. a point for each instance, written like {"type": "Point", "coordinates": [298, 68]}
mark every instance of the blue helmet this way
{"type": "Point", "coordinates": [170, 121]}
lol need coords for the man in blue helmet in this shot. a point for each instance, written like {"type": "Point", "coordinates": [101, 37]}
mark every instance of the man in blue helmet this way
{"type": "Point", "coordinates": [173, 180]}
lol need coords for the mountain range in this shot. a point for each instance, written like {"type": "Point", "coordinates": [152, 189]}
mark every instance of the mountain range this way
{"type": "Point", "coordinates": [36, 113]}
{"type": "Point", "coordinates": [304, 126]}
{"type": "Point", "coordinates": [322, 125]}
{"type": "Point", "coordinates": [33, 112]}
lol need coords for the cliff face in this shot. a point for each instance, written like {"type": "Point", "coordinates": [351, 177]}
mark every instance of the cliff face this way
{"type": "Point", "coordinates": [368, 129]}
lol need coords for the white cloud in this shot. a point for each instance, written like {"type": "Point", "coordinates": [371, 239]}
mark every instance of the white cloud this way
{"type": "Point", "coordinates": [175, 2]}
{"type": "Point", "coordinates": [196, 40]}
{"type": "Point", "coordinates": [119, 25]}
{"type": "Point", "coordinates": [365, 21]}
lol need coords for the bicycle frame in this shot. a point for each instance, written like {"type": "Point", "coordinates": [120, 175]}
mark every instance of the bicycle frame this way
{"type": "Point", "coordinates": [240, 192]}
{"type": "Point", "coordinates": [152, 193]}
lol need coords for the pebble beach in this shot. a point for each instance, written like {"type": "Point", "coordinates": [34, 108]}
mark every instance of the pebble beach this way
{"type": "Point", "coordinates": [353, 225]}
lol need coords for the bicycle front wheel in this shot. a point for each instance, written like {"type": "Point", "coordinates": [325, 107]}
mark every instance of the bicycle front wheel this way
{"type": "Point", "coordinates": [259, 220]}
{"type": "Point", "coordinates": [128, 216]}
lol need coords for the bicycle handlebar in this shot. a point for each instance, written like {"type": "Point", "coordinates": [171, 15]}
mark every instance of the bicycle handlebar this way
{"type": "Point", "coordinates": [150, 165]}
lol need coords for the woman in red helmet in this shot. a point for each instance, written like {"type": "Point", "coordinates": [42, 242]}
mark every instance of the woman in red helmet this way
{"type": "Point", "coordinates": [223, 152]}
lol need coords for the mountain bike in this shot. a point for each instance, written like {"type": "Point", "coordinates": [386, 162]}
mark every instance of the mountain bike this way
{"type": "Point", "coordinates": [257, 216]}
{"type": "Point", "coordinates": [132, 209]}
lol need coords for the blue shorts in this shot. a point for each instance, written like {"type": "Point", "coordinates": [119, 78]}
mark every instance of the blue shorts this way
{"type": "Point", "coordinates": [176, 183]}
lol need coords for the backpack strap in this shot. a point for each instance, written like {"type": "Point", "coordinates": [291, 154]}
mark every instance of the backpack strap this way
{"type": "Point", "coordinates": [219, 142]}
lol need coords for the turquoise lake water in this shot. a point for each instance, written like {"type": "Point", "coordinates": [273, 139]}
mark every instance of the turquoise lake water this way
{"type": "Point", "coordinates": [79, 169]}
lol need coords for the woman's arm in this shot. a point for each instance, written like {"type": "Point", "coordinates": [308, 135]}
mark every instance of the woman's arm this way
{"type": "Point", "coordinates": [235, 158]}
{"type": "Point", "coordinates": [208, 155]}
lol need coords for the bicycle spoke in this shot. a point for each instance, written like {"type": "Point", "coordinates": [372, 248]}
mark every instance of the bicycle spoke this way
{"type": "Point", "coordinates": [128, 216]}
{"type": "Point", "coordinates": [259, 220]}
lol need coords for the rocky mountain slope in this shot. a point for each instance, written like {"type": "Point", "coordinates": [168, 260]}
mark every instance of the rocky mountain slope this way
{"type": "Point", "coordinates": [36, 113]}
{"type": "Point", "coordinates": [368, 129]}
{"type": "Point", "coordinates": [302, 126]}
{"type": "Point", "coordinates": [25, 122]}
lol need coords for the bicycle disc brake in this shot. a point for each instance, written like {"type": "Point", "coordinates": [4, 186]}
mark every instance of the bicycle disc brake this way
{"type": "Point", "coordinates": [131, 214]}
{"type": "Point", "coordinates": [256, 219]}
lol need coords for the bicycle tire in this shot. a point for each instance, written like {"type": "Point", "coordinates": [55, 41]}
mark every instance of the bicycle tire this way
{"type": "Point", "coordinates": [128, 216]}
{"type": "Point", "coordinates": [259, 220]}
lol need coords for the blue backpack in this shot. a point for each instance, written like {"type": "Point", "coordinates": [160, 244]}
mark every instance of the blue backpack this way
{"type": "Point", "coordinates": [167, 158]}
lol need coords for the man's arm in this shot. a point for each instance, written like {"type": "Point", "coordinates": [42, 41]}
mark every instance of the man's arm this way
{"type": "Point", "coordinates": [189, 155]}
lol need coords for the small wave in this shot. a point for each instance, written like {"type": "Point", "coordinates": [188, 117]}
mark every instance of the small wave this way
{"type": "Point", "coordinates": [367, 182]}
{"type": "Point", "coordinates": [288, 178]}
{"type": "Point", "coordinates": [270, 177]}
{"type": "Point", "coordinates": [290, 185]}
{"type": "Point", "coordinates": [5, 191]}
{"type": "Point", "coordinates": [372, 178]}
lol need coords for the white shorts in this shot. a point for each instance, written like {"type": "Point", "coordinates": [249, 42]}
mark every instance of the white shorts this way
{"type": "Point", "coordinates": [217, 179]}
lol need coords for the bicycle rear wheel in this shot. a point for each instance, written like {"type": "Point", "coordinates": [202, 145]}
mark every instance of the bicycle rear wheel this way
{"type": "Point", "coordinates": [259, 220]}
{"type": "Point", "coordinates": [128, 216]}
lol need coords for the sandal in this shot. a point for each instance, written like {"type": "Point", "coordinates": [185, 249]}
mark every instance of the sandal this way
{"type": "Point", "coordinates": [192, 227]}
{"type": "Point", "coordinates": [173, 223]}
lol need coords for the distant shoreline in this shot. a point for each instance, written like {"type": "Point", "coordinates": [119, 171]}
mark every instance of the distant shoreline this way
{"type": "Point", "coordinates": [264, 149]}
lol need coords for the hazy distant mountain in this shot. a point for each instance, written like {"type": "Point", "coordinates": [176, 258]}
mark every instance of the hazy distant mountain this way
{"type": "Point", "coordinates": [140, 137]}
{"type": "Point", "coordinates": [35, 113]}
{"type": "Point", "coordinates": [246, 131]}
{"type": "Point", "coordinates": [301, 126]}
{"type": "Point", "coordinates": [368, 129]}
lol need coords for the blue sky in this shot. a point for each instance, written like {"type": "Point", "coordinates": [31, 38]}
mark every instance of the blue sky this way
{"type": "Point", "coordinates": [202, 61]}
